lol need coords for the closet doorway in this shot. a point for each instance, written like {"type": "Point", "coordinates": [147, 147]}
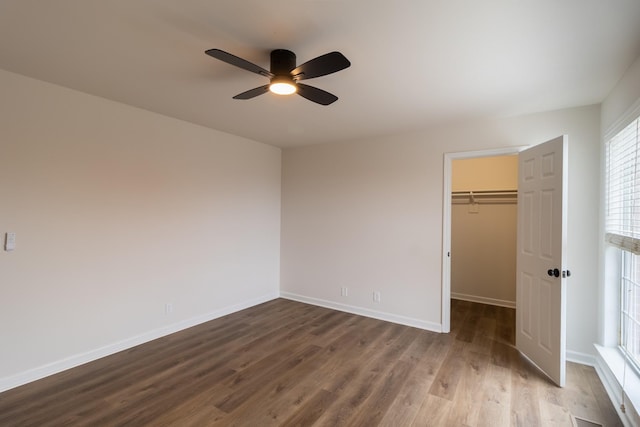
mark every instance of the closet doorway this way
{"type": "Point", "coordinates": [480, 229]}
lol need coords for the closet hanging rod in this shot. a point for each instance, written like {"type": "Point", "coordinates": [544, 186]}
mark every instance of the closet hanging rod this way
{"type": "Point", "coordinates": [485, 193]}
{"type": "Point", "coordinates": [484, 196]}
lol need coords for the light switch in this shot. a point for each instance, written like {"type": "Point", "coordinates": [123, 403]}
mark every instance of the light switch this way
{"type": "Point", "coordinates": [9, 241]}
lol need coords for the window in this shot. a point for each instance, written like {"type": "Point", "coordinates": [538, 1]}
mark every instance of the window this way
{"type": "Point", "coordinates": [622, 226]}
{"type": "Point", "coordinates": [630, 306]}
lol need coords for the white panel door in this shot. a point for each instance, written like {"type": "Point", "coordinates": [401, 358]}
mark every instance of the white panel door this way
{"type": "Point", "coordinates": [540, 281]}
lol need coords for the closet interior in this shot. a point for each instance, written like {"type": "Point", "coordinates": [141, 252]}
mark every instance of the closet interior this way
{"type": "Point", "coordinates": [483, 229]}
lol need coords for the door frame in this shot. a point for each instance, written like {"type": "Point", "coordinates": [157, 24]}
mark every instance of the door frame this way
{"type": "Point", "coordinates": [446, 221]}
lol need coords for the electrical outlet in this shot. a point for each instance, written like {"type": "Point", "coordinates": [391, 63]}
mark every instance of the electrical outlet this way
{"type": "Point", "coordinates": [344, 291]}
{"type": "Point", "coordinates": [376, 296]}
{"type": "Point", "coordinates": [168, 308]}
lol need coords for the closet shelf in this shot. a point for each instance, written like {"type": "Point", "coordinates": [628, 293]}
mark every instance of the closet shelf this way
{"type": "Point", "coordinates": [494, 196]}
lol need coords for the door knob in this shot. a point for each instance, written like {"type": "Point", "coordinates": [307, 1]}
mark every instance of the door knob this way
{"type": "Point", "coordinates": [554, 273]}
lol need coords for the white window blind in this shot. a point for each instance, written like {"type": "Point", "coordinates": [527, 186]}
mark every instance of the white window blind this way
{"type": "Point", "coordinates": [623, 189]}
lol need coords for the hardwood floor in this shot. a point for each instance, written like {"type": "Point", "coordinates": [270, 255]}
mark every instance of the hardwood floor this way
{"type": "Point", "coordinates": [290, 364]}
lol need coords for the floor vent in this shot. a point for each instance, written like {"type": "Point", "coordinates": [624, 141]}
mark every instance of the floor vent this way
{"type": "Point", "coordinates": [581, 422]}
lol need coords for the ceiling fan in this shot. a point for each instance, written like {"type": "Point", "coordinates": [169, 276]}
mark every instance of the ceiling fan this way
{"type": "Point", "coordinates": [284, 74]}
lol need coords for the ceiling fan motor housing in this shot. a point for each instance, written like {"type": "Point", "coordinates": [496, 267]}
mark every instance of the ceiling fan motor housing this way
{"type": "Point", "coordinates": [282, 62]}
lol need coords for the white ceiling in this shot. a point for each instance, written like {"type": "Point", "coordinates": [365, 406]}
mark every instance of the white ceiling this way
{"type": "Point", "coordinates": [415, 64]}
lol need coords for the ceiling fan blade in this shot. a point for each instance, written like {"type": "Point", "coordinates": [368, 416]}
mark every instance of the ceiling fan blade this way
{"type": "Point", "coordinates": [321, 66]}
{"type": "Point", "coordinates": [238, 62]}
{"type": "Point", "coordinates": [252, 93]}
{"type": "Point", "coordinates": [316, 95]}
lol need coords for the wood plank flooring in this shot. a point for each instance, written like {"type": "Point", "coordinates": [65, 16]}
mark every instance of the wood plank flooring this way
{"type": "Point", "coordinates": [285, 363]}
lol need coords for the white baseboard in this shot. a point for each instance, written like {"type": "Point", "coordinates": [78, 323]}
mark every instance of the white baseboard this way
{"type": "Point", "coordinates": [389, 317]}
{"type": "Point", "coordinates": [581, 358]}
{"type": "Point", "coordinates": [80, 359]}
{"type": "Point", "coordinates": [483, 300]}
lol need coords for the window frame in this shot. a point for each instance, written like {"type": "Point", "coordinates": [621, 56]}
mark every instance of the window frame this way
{"type": "Point", "coordinates": [627, 269]}
{"type": "Point", "coordinates": [622, 246]}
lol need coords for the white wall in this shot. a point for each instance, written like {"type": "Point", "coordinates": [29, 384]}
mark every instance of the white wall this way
{"type": "Point", "coordinates": [368, 215]}
{"type": "Point", "coordinates": [622, 97]}
{"type": "Point", "coordinates": [119, 211]}
{"type": "Point", "coordinates": [483, 236]}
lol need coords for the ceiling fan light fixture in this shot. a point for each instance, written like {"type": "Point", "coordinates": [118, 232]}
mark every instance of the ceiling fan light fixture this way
{"type": "Point", "coordinates": [284, 74]}
{"type": "Point", "coordinates": [282, 86]}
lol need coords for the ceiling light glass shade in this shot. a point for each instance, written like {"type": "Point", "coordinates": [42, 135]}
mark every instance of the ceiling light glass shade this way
{"type": "Point", "coordinates": [282, 87]}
